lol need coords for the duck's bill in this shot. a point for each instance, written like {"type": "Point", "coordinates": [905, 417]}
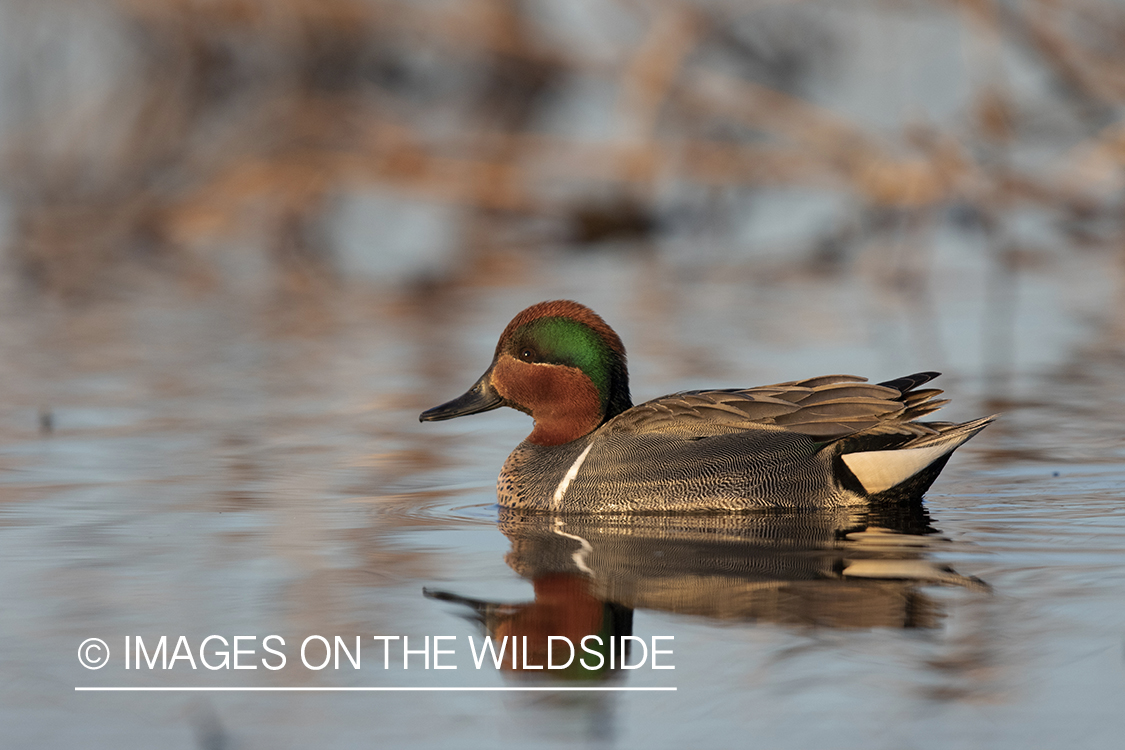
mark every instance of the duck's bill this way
{"type": "Point", "coordinates": [481, 397]}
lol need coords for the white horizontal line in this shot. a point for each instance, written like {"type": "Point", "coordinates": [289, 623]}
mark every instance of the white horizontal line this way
{"type": "Point", "coordinates": [524, 689]}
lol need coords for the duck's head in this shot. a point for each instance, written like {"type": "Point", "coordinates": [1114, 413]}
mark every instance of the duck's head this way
{"type": "Point", "coordinates": [557, 361]}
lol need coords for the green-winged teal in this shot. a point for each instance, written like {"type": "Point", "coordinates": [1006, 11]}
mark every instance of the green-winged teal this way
{"type": "Point", "coordinates": [822, 442]}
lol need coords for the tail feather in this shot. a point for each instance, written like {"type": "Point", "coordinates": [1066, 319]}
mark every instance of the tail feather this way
{"type": "Point", "coordinates": [880, 471]}
{"type": "Point", "coordinates": [956, 434]}
{"type": "Point", "coordinates": [910, 382]}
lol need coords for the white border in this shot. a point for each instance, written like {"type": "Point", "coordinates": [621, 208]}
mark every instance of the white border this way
{"type": "Point", "coordinates": [528, 689]}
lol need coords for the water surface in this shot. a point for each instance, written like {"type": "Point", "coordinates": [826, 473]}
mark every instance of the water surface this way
{"type": "Point", "coordinates": [245, 467]}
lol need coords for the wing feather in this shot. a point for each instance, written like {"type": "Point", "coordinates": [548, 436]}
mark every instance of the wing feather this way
{"type": "Point", "coordinates": [827, 407]}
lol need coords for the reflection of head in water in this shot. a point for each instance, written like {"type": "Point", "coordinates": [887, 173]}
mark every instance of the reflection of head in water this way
{"type": "Point", "coordinates": [563, 606]}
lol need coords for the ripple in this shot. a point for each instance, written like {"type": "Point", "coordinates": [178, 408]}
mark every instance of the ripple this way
{"type": "Point", "coordinates": [438, 507]}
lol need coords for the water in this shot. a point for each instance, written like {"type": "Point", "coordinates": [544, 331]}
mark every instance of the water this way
{"type": "Point", "coordinates": [217, 465]}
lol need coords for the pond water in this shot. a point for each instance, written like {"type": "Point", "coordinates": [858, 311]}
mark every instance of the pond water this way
{"type": "Point", "coordinates": [217, 465]}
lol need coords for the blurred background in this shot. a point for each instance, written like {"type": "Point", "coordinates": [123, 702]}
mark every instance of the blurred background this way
{"type": "Point", "coordinates": [284, 145]}
{"type": "Point", "coordinates": [245, 242]}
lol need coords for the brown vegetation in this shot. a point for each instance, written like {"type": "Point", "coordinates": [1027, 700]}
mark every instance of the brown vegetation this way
{"type": "Point", "coordinates": [233, 115]}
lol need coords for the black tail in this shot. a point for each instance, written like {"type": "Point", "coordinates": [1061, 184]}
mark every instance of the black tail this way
{"type": "Point", "coordinates": [910, 382]}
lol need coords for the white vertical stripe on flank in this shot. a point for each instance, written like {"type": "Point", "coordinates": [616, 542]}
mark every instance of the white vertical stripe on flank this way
{"type": "Point", "coordinates": [556, 501]}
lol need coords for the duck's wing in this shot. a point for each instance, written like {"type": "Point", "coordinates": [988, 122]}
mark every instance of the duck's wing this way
{"type": "Point", "coordinates": [825, 408]}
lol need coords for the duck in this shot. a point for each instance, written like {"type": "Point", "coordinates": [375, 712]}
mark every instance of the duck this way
{"type": "Point", "coordinates": [823, 442]}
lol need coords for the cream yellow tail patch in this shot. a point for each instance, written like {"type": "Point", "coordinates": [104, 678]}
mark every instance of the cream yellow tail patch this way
{"type": "Point", "coordinates": [878, 471]}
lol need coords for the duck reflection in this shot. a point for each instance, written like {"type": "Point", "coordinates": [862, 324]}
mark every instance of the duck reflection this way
{"type": "Point", "coordinates": [565, 606]}
{"type": "Point", "coordinates": [854, 568]}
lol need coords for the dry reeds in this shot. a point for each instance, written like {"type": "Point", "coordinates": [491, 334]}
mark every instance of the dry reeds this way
{"type": "Point", "coordinates": [215, 116]}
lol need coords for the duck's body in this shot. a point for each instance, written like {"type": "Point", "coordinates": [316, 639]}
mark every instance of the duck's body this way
{"type": "Point", "coordinates": [775, 446]}
{"type": "Point", "coordinates": [827, 441]}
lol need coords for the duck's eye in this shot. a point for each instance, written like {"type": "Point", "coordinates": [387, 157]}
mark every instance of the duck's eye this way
{"type": "Point", "coordinates": [527, 355]}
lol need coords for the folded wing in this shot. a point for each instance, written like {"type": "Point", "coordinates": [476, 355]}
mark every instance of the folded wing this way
{"type": "Point", "coordinates": [824, 408]}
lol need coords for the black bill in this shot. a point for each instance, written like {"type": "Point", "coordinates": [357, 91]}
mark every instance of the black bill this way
{"type": "Point", "coordinates": [481, 397]}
